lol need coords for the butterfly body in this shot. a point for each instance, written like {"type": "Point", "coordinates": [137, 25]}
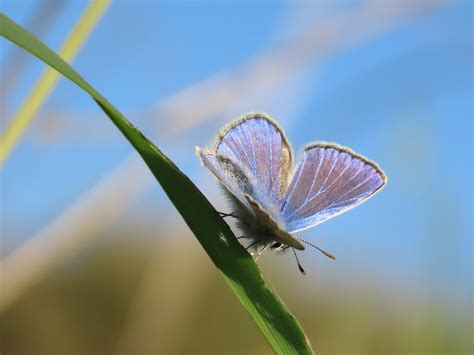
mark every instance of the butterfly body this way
{"type": "Point", "coordinates": [262, 226]}
{"type": "Point", "coordinates": [253, 161]}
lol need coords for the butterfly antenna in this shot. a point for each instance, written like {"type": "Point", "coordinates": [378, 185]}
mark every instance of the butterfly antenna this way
{"type": "Point", "coordinates": [329, 255]}
{"type": "Point", "coordinates": [298, 262]}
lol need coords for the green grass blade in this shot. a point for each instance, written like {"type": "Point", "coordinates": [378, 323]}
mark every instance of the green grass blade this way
{"type": "Point", "coordinates": [241, 273]}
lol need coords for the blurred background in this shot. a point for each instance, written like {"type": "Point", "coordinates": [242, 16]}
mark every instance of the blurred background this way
{"type": "Point", "coordinates": [94, 258]}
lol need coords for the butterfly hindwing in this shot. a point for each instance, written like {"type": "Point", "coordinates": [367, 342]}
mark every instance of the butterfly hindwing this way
{"type": "Point", "coordinates": [329, 180]}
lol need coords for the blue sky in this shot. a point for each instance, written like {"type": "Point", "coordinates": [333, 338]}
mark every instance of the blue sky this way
{"type": "Point", "coordinates": [403, 98]}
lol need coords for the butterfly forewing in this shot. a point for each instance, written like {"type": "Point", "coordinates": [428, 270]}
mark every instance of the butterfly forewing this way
{"type": "Point", "coordinates": [258, 145]}
{"type": "Point", "coordinates": [328, 181]}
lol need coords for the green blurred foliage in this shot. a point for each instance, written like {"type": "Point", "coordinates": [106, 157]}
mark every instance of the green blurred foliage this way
{"type": "Point", "coordinates": [135, 292]}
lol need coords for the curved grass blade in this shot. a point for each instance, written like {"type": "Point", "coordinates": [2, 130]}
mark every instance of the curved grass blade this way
{"type": "Point", "coordinates": [277, 324]}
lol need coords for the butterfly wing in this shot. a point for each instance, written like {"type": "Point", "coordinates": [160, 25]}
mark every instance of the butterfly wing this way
{"type": "Point", "coordinates": [239, 185]}
{"type": "Point", "coordinates": [259, 147]}
{"type": "Point", "coordinates": [329, 180]}
{"type": "Point", "coordinates": [228, 173]}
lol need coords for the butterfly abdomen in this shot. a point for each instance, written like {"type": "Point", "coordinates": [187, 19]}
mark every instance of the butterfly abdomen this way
{"type": "Point", "coordinates": [258, 225]}
{"type": "Point", "coordinates": [247, 222]}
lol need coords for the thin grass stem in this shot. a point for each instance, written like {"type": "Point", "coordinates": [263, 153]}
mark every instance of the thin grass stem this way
{"type": "Point", "coordinates": [41, 90]}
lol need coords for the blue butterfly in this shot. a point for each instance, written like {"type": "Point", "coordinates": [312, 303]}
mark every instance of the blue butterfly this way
{"type": "Point", "coordinates": [253, 161]}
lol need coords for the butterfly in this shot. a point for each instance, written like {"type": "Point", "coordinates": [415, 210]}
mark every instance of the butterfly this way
{"type": "Point", "coordinates": [272, 199]}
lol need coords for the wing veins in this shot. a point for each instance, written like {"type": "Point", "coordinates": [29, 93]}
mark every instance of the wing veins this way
{"type": "Point", "coordinates": [296, 183]}
{"type": "Point", "coordinates": [311, 188]}
{"type": "Point", "coordinates": [338, 177]}
{"type": "Point", "coordinates": [342, 203]}
{"type": "Point", "coordinates": [303, 205]}
{"type": "Point", "coordinates": [249, 136]}
{"type": "Point", "coordinates": [271, 158]}
{"type": "Point", "coordinates": [347, 182]}
{"type": "Point", "coordinates": [315, 176]}
{"type": "Point", "coordinates": [245, 153]}
{"type": "Point", "coordinates": [359, 185]}
{"type": "Point", "coordinates": [230, 150]}
{"type": "Point", "coordinates": [327, 177]}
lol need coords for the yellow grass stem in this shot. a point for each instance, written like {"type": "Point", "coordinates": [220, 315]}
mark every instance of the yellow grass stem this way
{"type": "Point", "coordinates": [49, 77]}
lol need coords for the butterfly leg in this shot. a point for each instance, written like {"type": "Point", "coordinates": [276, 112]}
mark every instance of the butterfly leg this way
{"type": "Point", "coordinates": [256, 251]}
{"type": "Point", "coordinates": [224, 215]}
{"type": "Point", "coordinates": [252, 244]}
{"type": "Point", "coordinates": [298, 262]}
